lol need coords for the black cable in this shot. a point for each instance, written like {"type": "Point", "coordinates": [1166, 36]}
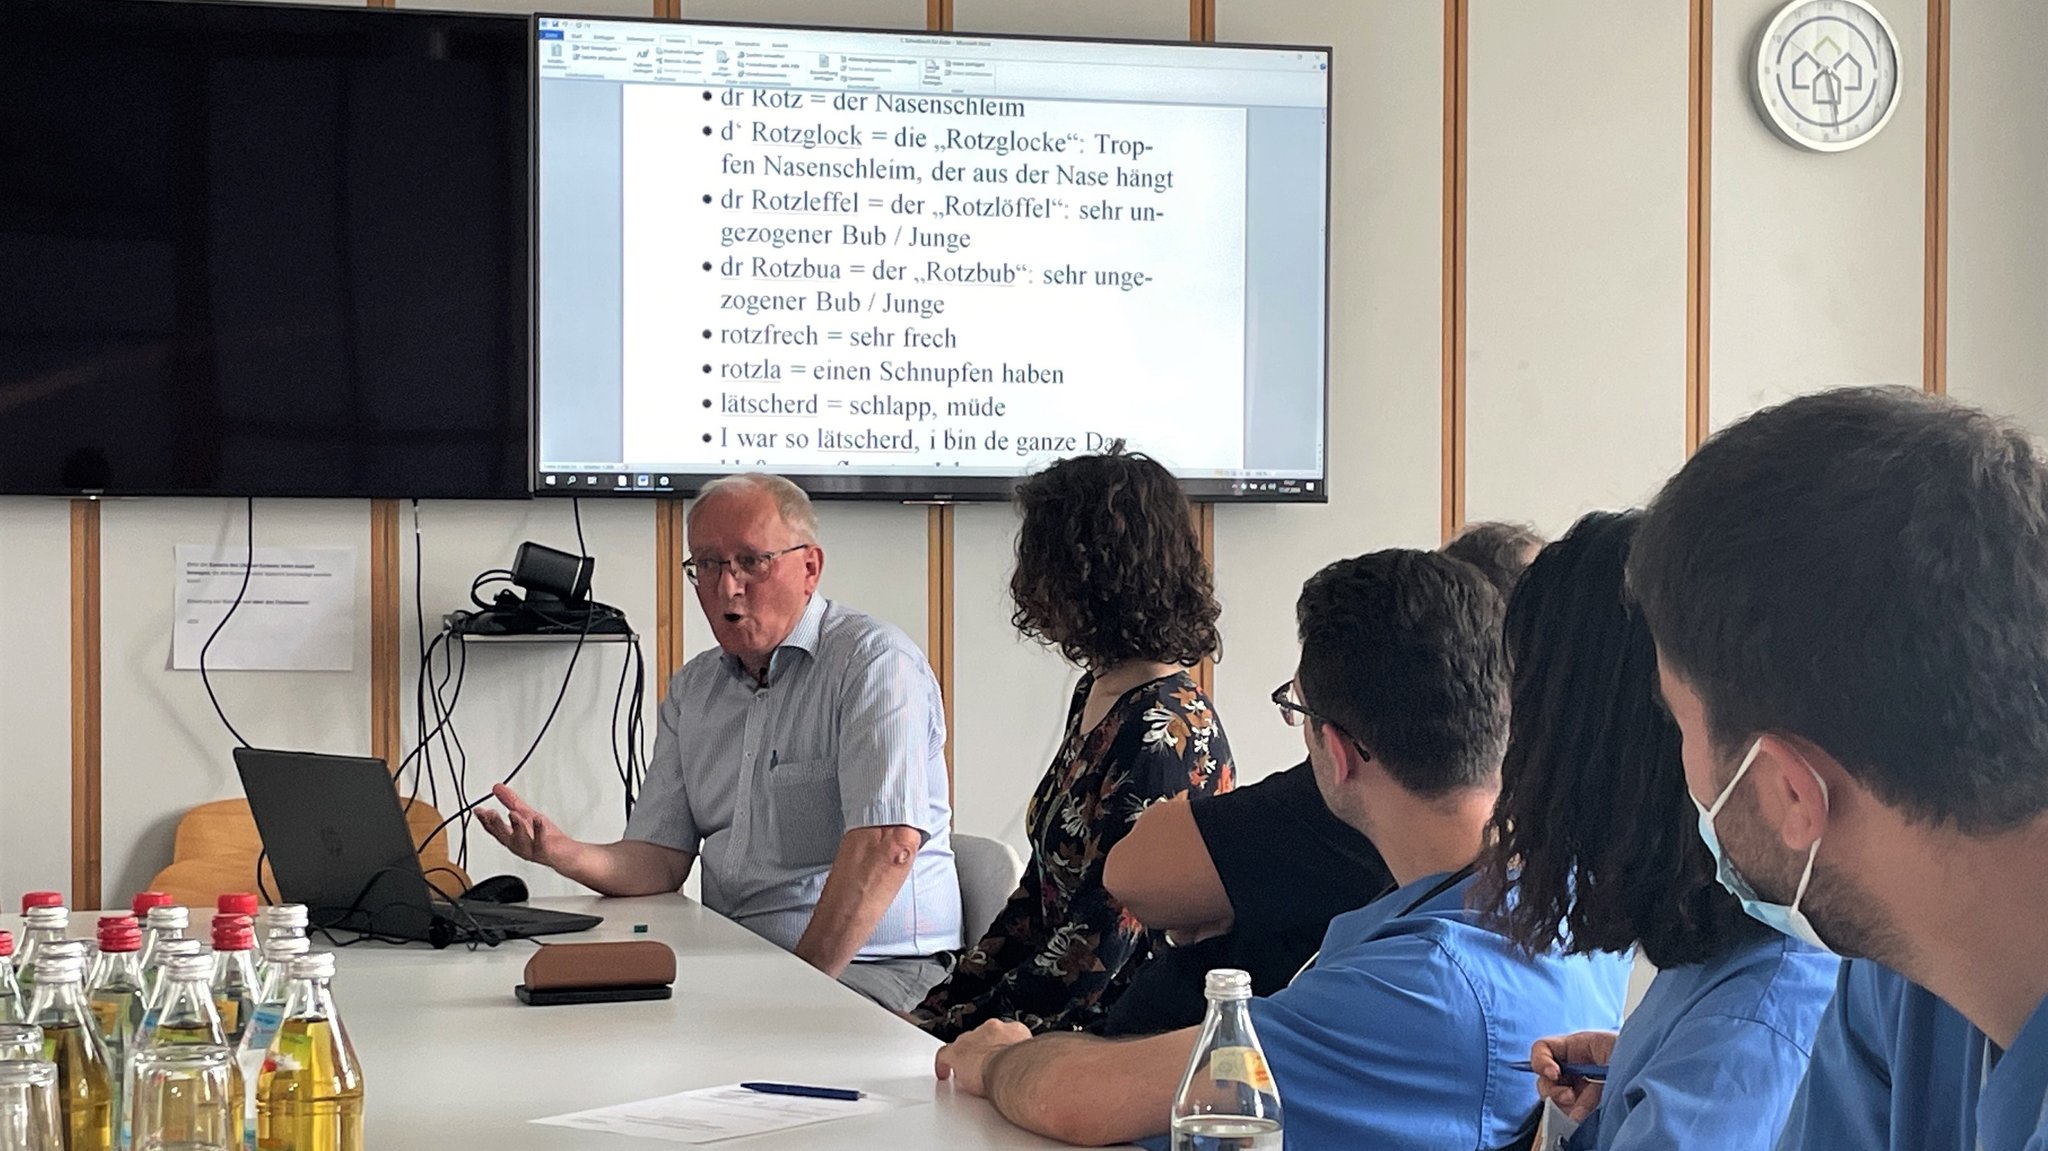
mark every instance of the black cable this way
{"type": "Point", "coordinates": [248, 566]}
{"type": "Point", "coordinates": [475, 932]}
{"type": "Point", "coordinates": [575, 653]}
{"type": "Point", "coordinates": [576, 508]}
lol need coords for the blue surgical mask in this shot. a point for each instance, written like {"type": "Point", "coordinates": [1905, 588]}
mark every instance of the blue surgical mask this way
{"type": "Point", "coordinates": [1787, 919]}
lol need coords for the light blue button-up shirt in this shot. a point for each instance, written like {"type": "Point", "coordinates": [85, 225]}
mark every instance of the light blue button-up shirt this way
{"type": "Point", "coordinates": [1712, 1056]}
{"type": "Point", "coordinates": [1398, 1038]}
{"type": "Point", "coordinates": [761, 783]}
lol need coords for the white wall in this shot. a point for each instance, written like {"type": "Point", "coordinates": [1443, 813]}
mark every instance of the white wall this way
{"type": "Point", "coordinates": [1386, 360]}
{"type": "Point", "coordinates": [833, 13]}
{"type": "Point", "coordinates": [35, 698]}
{"type": "Point", "coordinates": [1137, 19]}
{"type": "Point", "coordinates": [164, 749]}
{"type": "Point", "coordinates": [1009, 696]}
{"type": "Point", "coordinates": [1998, 211]}
{"type": "Point", "coordinates": [1575, 257]}
{"type": "Point", "coordinates": [1817, 275]}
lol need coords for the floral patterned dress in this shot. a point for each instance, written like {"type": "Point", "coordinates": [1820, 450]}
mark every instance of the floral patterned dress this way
{"type": "Point", "coordinates": [1062, 950]}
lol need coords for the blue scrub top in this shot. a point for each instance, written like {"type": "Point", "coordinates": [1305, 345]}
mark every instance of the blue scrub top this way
{"type": "Point", "coordinates": [1715, 1051]}
{"type": "Point", "coordinates": [2013, 1114]}
{"type": "Point", "coordinates": [1894, 1069]}
{"type": "Point", "coordinates": [1398, 1038]}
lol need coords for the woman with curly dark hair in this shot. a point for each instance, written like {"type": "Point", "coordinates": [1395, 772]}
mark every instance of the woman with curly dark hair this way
{"type": "Point", "coordinates": [1109, 571]}
{"type": "Point", "coordinates": [1594, 846]}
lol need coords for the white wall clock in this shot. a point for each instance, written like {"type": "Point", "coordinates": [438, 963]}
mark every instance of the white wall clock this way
{"type": "Point", "coordinates": [1827, 73]}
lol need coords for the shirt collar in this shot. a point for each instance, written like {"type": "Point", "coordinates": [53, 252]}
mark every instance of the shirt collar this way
{"type": "Point", "coordinates": [810, 627]}
{"type": "Point", "coordinates": [2014, 1105]}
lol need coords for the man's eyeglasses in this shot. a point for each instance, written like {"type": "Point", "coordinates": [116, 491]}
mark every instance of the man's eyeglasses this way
{"type": "Point", "coordinates": [1291, 713]}
{"type": "Point", "coordinates": [745, 568]}
{"type": "Point", "coordinates": [1294, 715]}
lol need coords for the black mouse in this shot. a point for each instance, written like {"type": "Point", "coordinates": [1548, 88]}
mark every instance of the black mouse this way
{"type": "Point", "coordinates": [498, 889]}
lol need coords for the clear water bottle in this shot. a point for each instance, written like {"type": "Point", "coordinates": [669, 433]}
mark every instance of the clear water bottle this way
{"type": "Point", "coordinates": [13, 1004]}
{"type": "Point", "coordinates": [160, 926]}
{"type": "Point", "coordinates": [234, 973]}
{"type": "Point", "coordinates": [184, 1011]}
{"type": "Point", "coordinates": [154, 982]}
{"type": "Point", "coordinates": [278, 921]}
{"type": "Point", "coordinates": [44, 925]}
{"type": "Point", "coordinates": [114, 993]}
{"type": "Point", "coordinates": [1227, 1099]}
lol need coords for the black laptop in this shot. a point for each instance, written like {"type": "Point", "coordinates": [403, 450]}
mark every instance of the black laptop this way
{"type": "Point", "coordinates": [338, 842]}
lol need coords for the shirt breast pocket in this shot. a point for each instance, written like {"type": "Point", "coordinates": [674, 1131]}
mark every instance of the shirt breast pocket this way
{"type": "Point", "coordinates": [803, 811]}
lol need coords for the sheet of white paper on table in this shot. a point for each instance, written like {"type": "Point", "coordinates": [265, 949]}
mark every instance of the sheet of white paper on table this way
{"type": "Point", "coordinates": [298, 614]}
{"type": "Point", "coordinates": [712, 1114]}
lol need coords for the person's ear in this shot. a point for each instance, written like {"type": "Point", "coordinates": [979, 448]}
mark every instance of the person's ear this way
{"type": "Point", "coordinates": [1792, 792]}
{"type": "Point", "coordinates": [814, 566]}
{"type": "Point", "coordinates": [1345, 755]}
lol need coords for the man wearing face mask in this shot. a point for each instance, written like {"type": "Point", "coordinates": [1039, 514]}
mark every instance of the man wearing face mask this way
{"type": "Point", "coordinates": [1849, 594]}
{"type": "Point", "coordinates": [803, 759]}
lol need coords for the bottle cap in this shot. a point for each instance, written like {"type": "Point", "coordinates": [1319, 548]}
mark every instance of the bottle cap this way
{"type": "Point", "coordinates": [41, 899]}
{"type": "Point", "coordinates": [236, 903]}
{"type": "Point", "coordinates": [281, 949]}
{"type": "Point", "coordinates": [282, 915]}
{"type": "Point", "coordinates": [1226, 984]}
{"type": "Point", "coordinates": [73, 948]}
{"type": "Point", "coordinates": [233, 933]}
{"type": "Point", "coordinates": [56, 917]}
{"type": "Point", "coordinates": [6, 944]}
{"type": "Point", "coordinates": [314, 965]}
{"type": "Point", "coordinates": [59, 968]}
{"type": "Point", "coordinates": [119, 933]}
{"type": "Point", "coordinates": [168, 917]}
{"type": "Point", "coordinates": [189, 967]}
{"type": "Point", "coordinates": [144, 900]}
{"type": "Point", "coordinates": [171, 949]}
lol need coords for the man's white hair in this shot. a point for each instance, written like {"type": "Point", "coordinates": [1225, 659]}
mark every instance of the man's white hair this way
{"type": "Point", "coordinates": [790, 500]}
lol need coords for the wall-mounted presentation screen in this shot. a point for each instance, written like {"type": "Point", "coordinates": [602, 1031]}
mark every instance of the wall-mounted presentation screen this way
{"type": "Point", "coordinates": [920, 265]}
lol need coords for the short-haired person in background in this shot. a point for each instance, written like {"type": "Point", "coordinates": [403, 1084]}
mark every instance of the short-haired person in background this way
{"type": "Point", "coordinates": [1593, 850]}
{"type": "Point", "coordinates": [1849, 593]}
{"type": "Point", "coordinates": [804, 758]}
{"type": "Point", "coordinates": [1252, 878]}
{"type": "Point", "coordinates": [1396, 1036]}
{"type": "Point", "coordinates": [1499, 550]}
{"type": "Point", "coordinates": [1110, 572]}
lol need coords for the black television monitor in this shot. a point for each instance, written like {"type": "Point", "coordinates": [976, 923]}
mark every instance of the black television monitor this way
{"type": "Point", "coordinates": [915, 265]}
{"type": "Point", "coordinates": [263, 250]}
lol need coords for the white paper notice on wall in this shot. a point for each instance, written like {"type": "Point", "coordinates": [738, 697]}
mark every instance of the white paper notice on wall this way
{"type": "Point", "coordinates": [298, 614]}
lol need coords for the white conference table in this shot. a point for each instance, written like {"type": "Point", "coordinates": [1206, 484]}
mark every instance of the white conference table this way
{"type": "Point", "coordinates": [452, 1060]}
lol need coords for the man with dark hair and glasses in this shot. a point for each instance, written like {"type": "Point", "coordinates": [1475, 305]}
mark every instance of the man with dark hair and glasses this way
{"type": "Point", "coordinates": [1396, 1037]}
{"type": "Point", "coordinates": [803, 759]}
{"type": "Point", "coordinates": [1252, 878]}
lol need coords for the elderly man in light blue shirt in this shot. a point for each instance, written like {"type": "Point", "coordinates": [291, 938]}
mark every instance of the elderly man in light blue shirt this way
{"type": "Point", "coordinates": [803, 759]}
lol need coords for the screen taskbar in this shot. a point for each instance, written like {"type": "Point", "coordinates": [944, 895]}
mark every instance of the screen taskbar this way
{"type": "Point", "coordinates": [927, 488]}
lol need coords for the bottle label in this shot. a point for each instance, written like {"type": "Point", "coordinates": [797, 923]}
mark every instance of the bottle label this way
{"type": "Point", "coordinates": [1244, 1065]}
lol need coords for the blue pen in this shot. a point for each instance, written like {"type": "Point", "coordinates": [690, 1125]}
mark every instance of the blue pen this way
{"type": "Point", "coordinates": [1589, 1072]}
{"type": "Point", "coordinates": [839, 1093]}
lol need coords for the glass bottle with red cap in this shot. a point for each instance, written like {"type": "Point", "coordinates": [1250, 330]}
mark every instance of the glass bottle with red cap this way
{"type": "Point", "coordinates": [114, 993]}
{"type": "Point", "coordinates": [234, 973]}
{"type": "Point", "coordinates": [13, 1005]}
